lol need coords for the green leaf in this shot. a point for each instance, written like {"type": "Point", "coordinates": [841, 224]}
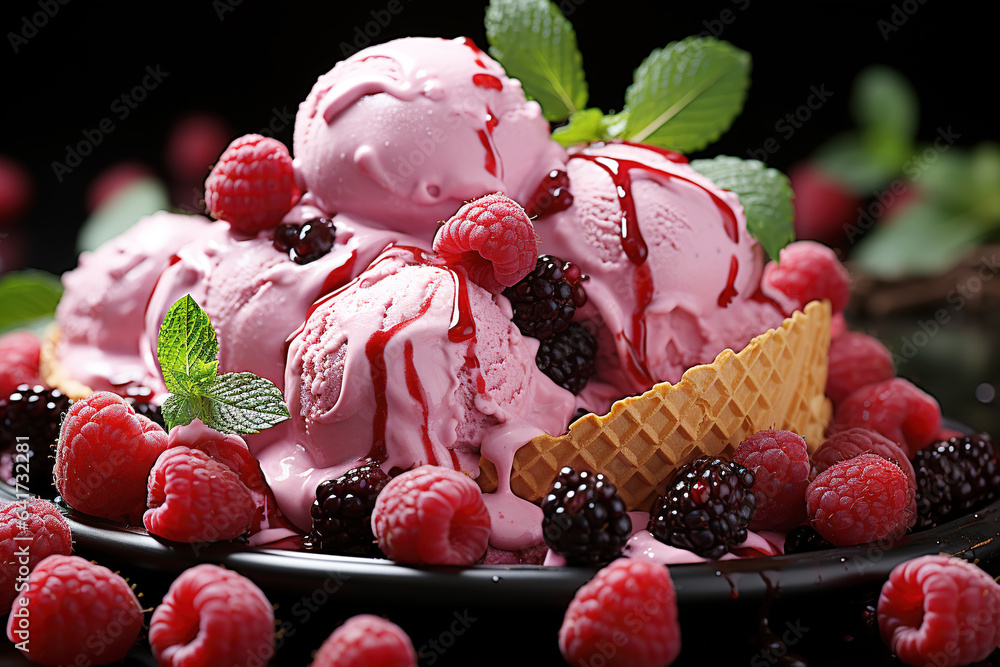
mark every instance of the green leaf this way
{"type": "Point", "coordinates": [884, 102]}
{"type": "Point", "coordinates": [142, 197]}
{"type": "Point", "coordinates": [187, 349]}
{"type": "Point", "coordinates": [28, 296]}
{"type": "Point", "coordinates": [766, 196]}
{"type": "Point", "coordinates": [923, 240]}
{"type": "Point", "coordinates": [536, 44]}
{"type": "Point", "coordinates": [180, 410]}
{"type": "Point", "coordinates": [848, 160]}
{"type": "Point", "coordinates": [687, 94]}
{"type": "Point", "coordinates": [584, 126]}
{"type": "Point", "coordinates": [245, 403]}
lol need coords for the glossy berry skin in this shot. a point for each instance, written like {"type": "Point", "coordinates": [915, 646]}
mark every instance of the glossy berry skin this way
{"type": "Point", "coordinates": [34, 412]}
{"type": "Point", "coordinates": [706, 508]}
{"type": "Point", "coordinates": [545, 300]}
{"type": "Point", "coordinates": [896, 408]}
{"type": "Point", "coordinates": [809, 271]}
{"type": "Point", "coordinates": [568, 358]}
{"type": "Point", "coordinates": [584, 518]}
{"type": "Point", "coordinates": [307, 242]}
{"type": "Point", "coordinates": [779, 461]}
{"type": "Point", "coordinates": [551, 196]}
{"type": "Point", "coordinates": [342, 511]}
{"type": "Point", "coordinates": [955, 476]}
{"type": "Point", "coordinates": [856, 360]}
{"type": "Point", "coordinates": [366, 641]}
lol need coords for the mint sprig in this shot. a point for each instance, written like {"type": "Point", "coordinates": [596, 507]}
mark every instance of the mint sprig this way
{"type": "Point", "coordinates": [187, 349]}
{"type": "Point", "coordinates": [687, 94]}
{"type": "Point", "coordinates": [28, 297]}
{"type": "Point", "coordinates": [537, 45]}
{"type": "Point", "coordinates": [766, 196]}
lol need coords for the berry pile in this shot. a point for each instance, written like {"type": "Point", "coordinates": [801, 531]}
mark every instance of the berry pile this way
{"type": "Point", "coordinates": [306, 242]}
{"type": "Point", "coordinates": [545, 300]}
{"type": "Point", "coordinates": [342, 511]}
{"type": "Point", "coordinates": [33, 412]}
{"type": "Point", "coordinates": [568, 357]}
{"type": "Point", "coordinates": [584, 518]}
{"type": "Point", "coordinates": [954, 477]}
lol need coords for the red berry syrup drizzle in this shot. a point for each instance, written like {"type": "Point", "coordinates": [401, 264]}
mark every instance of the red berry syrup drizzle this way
{"type": "Point", "coordinates": [634, 246]}
{"type": "Point", "coordinates": [489, 82]}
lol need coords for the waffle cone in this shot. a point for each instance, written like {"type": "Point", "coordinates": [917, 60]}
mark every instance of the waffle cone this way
{"type": "Point", "coordinates": [777, 381]}
{"type": "Point", "coordinates": [53, 372]}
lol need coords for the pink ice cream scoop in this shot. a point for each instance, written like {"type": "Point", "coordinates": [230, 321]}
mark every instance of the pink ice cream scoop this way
{"type": "Point", "coordinates": [674, 275]}
{"type": "Point", "coordinates": [409, 364]}
{"type": "Point", "coordinates": [405, 132]}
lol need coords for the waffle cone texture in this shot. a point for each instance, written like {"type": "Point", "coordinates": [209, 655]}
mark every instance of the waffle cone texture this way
{"type": "Point", "coordinates": [777, 381]}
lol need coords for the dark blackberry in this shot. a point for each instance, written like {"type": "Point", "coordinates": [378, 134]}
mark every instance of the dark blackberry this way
{"type": "Point", "coordinates": [139, 399]}
{"type": "Point", "coordinates": [545, 300]}
{"type": "Point", "coordinates": [584, 518]}
{"type": "Point", "coordinates": [551, 196]}
{"type": "Point", "coordinates": [954, 477]}
{"type": "Point", "coordinates": [33, 412]}
{"type": "Point", "coordinates": [342, 512]}
{"type": "Point", "coordinates": [706, 508]}
{"type": "Point", "coordinates": [568, 357]}
{"type": "Point", "coordinates": [307, 242]}
{"type": "Point", "coordinates": [802, 539]}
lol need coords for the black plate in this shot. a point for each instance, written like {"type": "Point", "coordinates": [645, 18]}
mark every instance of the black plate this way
{"type": "Point", "coordinates": [813, 603]}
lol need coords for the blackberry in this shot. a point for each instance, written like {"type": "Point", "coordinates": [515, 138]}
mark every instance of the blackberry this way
{"type": "Point", "coordinates": [139, 399]}
{"type": "Point", "coordinates": [802, 539]}
{"type": "Point", "coordinates": [33, 412]}
{"type": "Point", "coordinates": [954, 477]}
{"type": "Point", "coordinates": [307, 242]}
{"type": "Point", "coordinates": [568, 357]}
{"type": "Point", "coordinates": [706, 508]}
{"type": "Point", "coordinates": [551, 196]}
{"type": "Point", "coordinates": [342, 512]}
{"type": "Point", "coordinates": [545, 300]}
{"type": "Point", "coordinates": [584, 518]}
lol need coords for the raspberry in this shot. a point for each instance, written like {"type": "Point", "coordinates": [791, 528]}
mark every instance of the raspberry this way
{"type": "Point", "coordinates": [492, 238]}
{"type": "Point", "coordinates": [194, 141]}
{"type": "Point", "coordinates": [568, 358]}
{"type": "Point", "coordinates": [551, 196]}
{"type": "Point", "coordinates": [852, 442]}
{"type": "Point", "coordinates": [838, 325]}
{"type": "Point", "coordinates": [823, 205]}
{"type": "Point", "coordinates": [33, 413]}
{"type": "Point", "coordinates": [104, 456]}
{"type": "Point", "coordinates": [20, 352]}
{"type": "Point", "coordinates": [306, 242]}
{"type": "Point", "coordinates": [138, 398]}
{"type": "Point", "coordinates": [194, 498]}
{"type": "Point", "coordinates": [533, 555]}
{"type": "Point", "coordinates": [807, 271]}
{"type": "Point", "coordinates": [629, 605]}
{"type": "Point", "coordinates": [36, 528]}
{"type": "Point", "coordinates": [856, 360]}
{"type": "Point", "coordinates": [954, 477]}
{"type": "Point", "coordinates": [706, 509]}
{"type": "Point", "coordinates": [863, 499]}
{"type": "Point", "coordinates": [252, 186]}
{"type": "Point", "coordinates": [940, 610]}
{"type": "Point", "coordinates": [212, 616]}
{"type": "Point", "coordinates": [545, 300]}
{"type": "Point", "coordinates": [342, 511]}
{"type": "Point", "coordinates": [584, 518]}
{"type": "Point", "coordinates": [802, 539]}
{"type": "Point", "coordinates": [432, 515]}
{"type": "Point", "coordinates": [895, 408]}
{"type": "Point", "coordinates": [80, 614]}
{"type": "Point", "coordinates": [779, 461]}
{"type": "Point", "coordinates": [366, 641]}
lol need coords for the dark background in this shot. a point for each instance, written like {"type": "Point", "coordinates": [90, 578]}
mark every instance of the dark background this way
{"type": "Point", "coordinates": [252, 61]}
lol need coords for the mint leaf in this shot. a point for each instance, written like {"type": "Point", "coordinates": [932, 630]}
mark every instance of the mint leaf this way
{"type": "Point", "coordinates": [884, 102]}
{"type": "Point", "coordinates": [584, 126]}
{"type": "Point", "coordinates": [766, 196]}
{"type": "Point", "coordinates": [536, 44]}
{"type": "Point", "coordinates": [687, 94]}
{"type": "Point", "coordinates": [187, 349]}
{"type": "Point", "coordinates": [180, 410]}
{"type": "Point", "coordinates": [244, 403]}
{"type": "Point", "coordinates": [847, 159]}
{"type": "Point", "coordinates": [28, 296]}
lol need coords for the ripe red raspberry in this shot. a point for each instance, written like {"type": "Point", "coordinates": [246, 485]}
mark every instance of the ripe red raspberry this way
{"type": "Point", "coordinates": [940, 610]}
{"type": "Point", "coordinates": [806, 271]}
{"type": "Point", "coordinates": [780, 463]}
{"type": "Point", "coordinates": [847, 444]}
{"type": "Point", "coordinates": [626, 615]}
{"type": "Point", "coordinates": [895, 408]}
{"type": "Point", "coordinates": [492, 237]}
{"type": "Point", "coordinates": [194, 498]}
{"type": "Point", "coordinates": [432, 515]}
{"type": "Point", "coordinates": [824, 207]}
{"type": "Point", "coordinates": [252, 186]}
{"type": "Point", "coordinates": [104, 456]}
{"type": "Point", "coordinates": [75, 613]}
{"type": "Point", "coordinates": [863, 499]}
{"type": "Point", "coordinates": [28, 533]}
{"type": "Point", "coordinates": [856, 360]}
{"type": "Point", "coordinates": [838, 325]}
{"type": "Point", "coordinates": [366, 641]}
{"type": "Point", "coordinates": [19, 356]}
{"type": "Point", "coordinates": [212, 616]}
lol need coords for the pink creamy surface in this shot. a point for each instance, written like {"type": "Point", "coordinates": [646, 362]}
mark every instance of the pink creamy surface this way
{"type": "Point", "coordinates": [409, 364]}
{"type": "Point", "coordinates": [693, 294]}
{"type": "Point", "coordinates": [406, 132]}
